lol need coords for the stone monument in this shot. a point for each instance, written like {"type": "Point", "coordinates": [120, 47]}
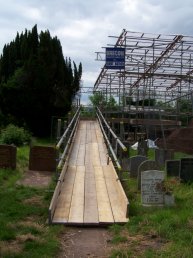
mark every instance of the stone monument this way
{"type": "Point", "coordinates": [42, 158]}
{"type": "Point", "coordinates": [144, 166]}
{"type": "Point", "coordinates": [173, 168]}
{"type": "Point", "coordinates": [8, 156]}
{"type": "Point", "coordinates": [151, 195]}
{"type": "Point", "coordinates": [134, 163]}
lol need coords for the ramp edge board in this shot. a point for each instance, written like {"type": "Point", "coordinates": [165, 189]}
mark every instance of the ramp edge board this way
{"type": "Point", "coordinates": [57, 190]}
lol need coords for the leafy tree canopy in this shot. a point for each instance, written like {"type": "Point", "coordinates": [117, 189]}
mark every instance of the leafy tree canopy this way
{"type": "Point", "coordinates": [36, 81]}
{"type": "Point", "coordinates": [98, 99]}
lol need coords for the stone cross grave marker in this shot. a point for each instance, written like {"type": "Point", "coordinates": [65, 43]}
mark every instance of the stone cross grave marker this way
{"type": "Point", "coordinates": [134, 163]}
{"type": "Point", "coordinates": [8, 156]}
{"type": "Point", "coordinates": [144, 166]}
{"type": "Point", "coordinates": [186, 170]}
{"type": "Point", "coordinates": [161, 155]}
{"type": "Point", "coordinates": [151, 195]}
{"type": "Point", "coordinates": [42, 158]}
{"type": "Point", "coordinates": [173, 168]}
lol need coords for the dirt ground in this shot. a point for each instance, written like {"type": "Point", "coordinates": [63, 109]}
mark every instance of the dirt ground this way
{"type": "Point", "coordinates": [84, 243]}
{"type": "Point", "coordinates": [98, 242]}
{"type": "Point", "coordinates": [91, 242]}
{"type": "Point", "coordinates": [36, 178]}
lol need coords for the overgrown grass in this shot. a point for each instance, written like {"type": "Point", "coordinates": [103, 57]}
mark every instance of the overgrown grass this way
{"type": "Point", "coordinates": [43, 141]}
{"type": "Point", "coordinates": [23, 214]}
{"type": "Point", "coordinates": [167, 231]}
{"type": "Point", "coordinates": [151, 153]}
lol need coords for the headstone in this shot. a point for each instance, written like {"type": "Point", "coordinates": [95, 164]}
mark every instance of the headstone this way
{"type": "Point", "coordinates": [151, 194]}
{"type": "Point", "coordinates": [134, 163]}
{"type": "Point", "coordinates": [161, 155]}
{"type": "Point", "coordinates": [124, 159]}
{"type": "Point", "coordinates": [173, 168]}
{"type": "Point", "coordinates": [8, 156]}
{"type": "Point", "coordinates": [144, 166]}
{"type": "Point", "coordinates": [142, 148]}
{"type": "Point", "coordinates": [42, 158]}
{"type": "Point", "coordinates": [186, 170]}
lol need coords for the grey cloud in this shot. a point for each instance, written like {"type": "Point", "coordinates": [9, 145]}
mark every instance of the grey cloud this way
{"type": "Point", "coordinates": [83, 26]}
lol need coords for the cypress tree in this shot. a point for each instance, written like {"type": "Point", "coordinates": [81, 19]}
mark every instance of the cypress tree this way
{"type": "Point", "coordinates": [36, 82]}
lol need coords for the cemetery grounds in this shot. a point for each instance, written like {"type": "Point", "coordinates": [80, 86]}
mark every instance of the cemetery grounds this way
{"type": "Point", "coordinates": [151, 232]}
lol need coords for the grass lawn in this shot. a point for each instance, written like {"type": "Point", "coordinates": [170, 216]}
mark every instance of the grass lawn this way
{"type": "Point", "coordinates": [151, 232]}
{"type": "Point", "coordinates": [156, 232]}
{"type": "Point", "coordinates": [23, 214]}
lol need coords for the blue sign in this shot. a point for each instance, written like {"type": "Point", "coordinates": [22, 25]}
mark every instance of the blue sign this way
{"type": "Point", "coordinates": [115, 58]}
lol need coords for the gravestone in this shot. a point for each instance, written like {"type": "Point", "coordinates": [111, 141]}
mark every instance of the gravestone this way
{"type": "Point", "coordinates": [42, 158]}
{"type": "Point", "coordinates": [144, 166]}
{"type": "Point", "coordinates": [124, 159]}
{"type": "Point", "coordinates": [134, 163]}
{"type": "Point", "coordinates": [142, 148]}
{"type": "Point", "coordinates": [151, 195]}
{"type": "Point", "coordinates": [173, 168]}
{"type": "Point", "coordinates": [186, 170]}
{"type": "Point", "coordinates": [8, 156]}
{"type": "Point", "coordinates": [161, 155]}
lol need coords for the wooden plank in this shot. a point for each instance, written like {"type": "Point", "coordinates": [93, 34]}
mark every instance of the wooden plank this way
{"type": "Point", "coordinates": [88, 136]}
{"type": "Point", "coordinates": [83, 136]}
{"type": "Point", "coordinates": [118, 181]}
{"type": "Point", "coordinates": [83, 125]}
{"type": "Point", "coordinates": [93, 135]}
{"type": "Point", "coordinates": [103, 154]}
{"type": "Point", "coordinates": [104, 207]}
{"type": "Point", "coordinates": [75, 148]}
{"type": "Point", "coordinates": [115, 195]}
{"type": "Point", "coordinates": [64, 201]}
{"type": "Point", "coordinates": [74, 154]}
{"type": "Point", "coordinates": [58, 186]}
{"type": "Point", "coordinates": [95, 154]}
{"type": "Point", "coordinates": [88, 155]}
{"type": "Point", "coordinates": [76, 215]}
{"type": "Point", "coordinates": [81, 155]}
{"type": "Point", "coordinates": [99, 135]}
{"type": "Point", "coordinates": [90, 207]}
{"type": "Point", "coordinates": [92, 126]}
{"type": "Point", "coordinates": [88, 125]}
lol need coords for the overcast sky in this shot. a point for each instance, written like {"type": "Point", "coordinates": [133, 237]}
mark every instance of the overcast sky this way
{"type": "Point", "coordinates": [83, 26]}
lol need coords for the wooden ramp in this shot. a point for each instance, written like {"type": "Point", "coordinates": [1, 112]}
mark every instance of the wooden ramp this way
{"type": "Point", "coordinates": [90, 193]}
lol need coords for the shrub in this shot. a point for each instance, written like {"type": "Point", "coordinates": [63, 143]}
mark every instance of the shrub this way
{"type": "Point", "coordinates": [14, 135]}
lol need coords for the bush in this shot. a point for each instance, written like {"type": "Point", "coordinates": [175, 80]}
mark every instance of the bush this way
{"type": "Point", "coordinates": [14, 135]}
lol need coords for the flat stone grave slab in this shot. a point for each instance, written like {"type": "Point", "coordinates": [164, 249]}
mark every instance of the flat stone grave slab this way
{"type": "Point", "coordinates": [186, 170]}
{"type": "Point", "coordinates": [151, 195]}
{"type": "Point", "coordinates": [134, 163]}
{"type": "Point", "coordinates": [8, 156]}
{"type": "Point", "coordinates": [161, 155]}
{"type": "Point", "coordinates": [144, 166]}
{"type": "Point", "coordinates": [173, 168]}
{"type": "Point", "coordinates": [42, 158]}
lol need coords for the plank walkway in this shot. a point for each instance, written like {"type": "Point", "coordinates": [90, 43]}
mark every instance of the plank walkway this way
{"type": "Point", "coordinates": [90, 193]}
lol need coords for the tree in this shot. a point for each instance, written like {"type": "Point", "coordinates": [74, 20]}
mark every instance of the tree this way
{"type": "Point", "coordinates": [36, 82]}
{"type": "Point", "coordinates": [185, 105]}
{"type": "Point", "coordinates": [98, 99]}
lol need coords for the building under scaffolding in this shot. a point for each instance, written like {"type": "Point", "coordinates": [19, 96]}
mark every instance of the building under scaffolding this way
{"type": "Point", "coordinates": [157, 67]}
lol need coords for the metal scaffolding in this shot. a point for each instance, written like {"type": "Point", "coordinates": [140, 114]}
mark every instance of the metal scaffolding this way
{"type": "Point", "coordinates": [156, 67]}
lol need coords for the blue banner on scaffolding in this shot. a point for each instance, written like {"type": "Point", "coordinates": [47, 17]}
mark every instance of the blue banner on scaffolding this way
{"type": "Point", "coordinates": [115, 58]}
